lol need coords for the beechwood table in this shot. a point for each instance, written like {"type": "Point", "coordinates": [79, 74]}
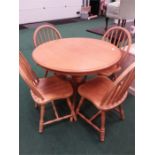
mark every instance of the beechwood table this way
{"type": "Point", "coordinates": [76, 56]}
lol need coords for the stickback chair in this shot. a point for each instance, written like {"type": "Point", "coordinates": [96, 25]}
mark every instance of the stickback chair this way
{"type": "Point", "coordinates": [121, 38]}
{"type": "Point", "coordinates": [45, 33]}
{"type": "Point", "coordinates": [46, 90]}
{"type": "Point", "coordinates": [106, 95]}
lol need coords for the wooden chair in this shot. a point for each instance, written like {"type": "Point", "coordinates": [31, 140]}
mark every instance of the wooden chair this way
{"type": "Point", "coordinates": [121, 38]}
{"type": "Point", "coordinates": [105, 95]}
{"type": "Point", "coordinates": [46, 90]}
{"type": "Point", "coordinates": [45, 33]}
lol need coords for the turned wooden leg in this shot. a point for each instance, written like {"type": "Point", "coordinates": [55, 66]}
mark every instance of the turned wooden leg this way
{"type": "Point", "coordinates": [119, 21]}
{"type": "Point", "coordinates": [79, 105]}
{"type": "Point", "coordinates": [123, 22]}
{"type": "Point", "coordinates": [42, 112]}
{"type": "Point", "coordinates": [54, 109]}
{"type": "Point", "coordinates": [46, 73]}
{"type": "Point", "coordinates": [102, 129]}
{"type": "Point", "coordinates": [121, 111]}
{"type": "Point", "coordinates": [106, 23]}
{"type": "Point", "coordinates": [72, 110]}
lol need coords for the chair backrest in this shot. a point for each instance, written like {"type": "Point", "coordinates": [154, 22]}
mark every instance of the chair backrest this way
{"type": "Point", "coordinates": [127, 9]}
{"type": "Point", "coordinates": [45, 33]}
{"type": "Point", "coordinates": [28, 75]}
{"type": "Point", "coordinates": [120, 37]}
{"type": "Point", "coordinates": [121, 86]}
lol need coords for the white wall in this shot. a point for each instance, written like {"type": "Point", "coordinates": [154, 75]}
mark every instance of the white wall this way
{"type": "Point", "coordinates": [42, 10]}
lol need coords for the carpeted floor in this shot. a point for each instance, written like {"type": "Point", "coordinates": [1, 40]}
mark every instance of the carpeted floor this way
{"type": "Point", "coordinates": [65, 137]}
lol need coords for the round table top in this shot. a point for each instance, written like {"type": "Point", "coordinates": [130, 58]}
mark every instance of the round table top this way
{"type": "Point", "coordinates": [76, 56]}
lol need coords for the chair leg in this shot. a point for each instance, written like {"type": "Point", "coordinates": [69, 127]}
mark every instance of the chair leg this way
{"type": "Point", "coordinates": [121, 111]}
{"type": "Point", "coordinates": [54, 109]}
{"type": "Point", "coordinates": [46, 73]}
{"type": "Point", "coordinates": [123, 22]}
{"type": "Point", "coordinates": [106, 23]}
{"type": "Point", "coordinates": [119, 21]}
{"type": "Point", "coordinates": [102, 129]}
{"type": "Point", "coordinates": [79, 105]}
{"type": "Point", "coordinates": [41, 122]}
{"type": "Point", "coordinates": [72, 110]}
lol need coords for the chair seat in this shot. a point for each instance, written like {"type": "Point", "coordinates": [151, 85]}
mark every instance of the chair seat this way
{"type": "Point", "coordinates": [96, 89]}
{"type": "Point", "coordinates": [52, 88]}
{"type": "Point", "coordinates": [113, 9]}
{"type": "Point", "coordinates": [110, 71]}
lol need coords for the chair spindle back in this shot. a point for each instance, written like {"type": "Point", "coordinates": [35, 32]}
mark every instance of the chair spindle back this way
{"type": "Point", "coordinates": [121, 85]}
{"type": "Point", "coordinates": [120, 37]}
{"type": "Point", "coordinates": [28, 75]}
{"type": "Point", "coordinates": [45, 33]}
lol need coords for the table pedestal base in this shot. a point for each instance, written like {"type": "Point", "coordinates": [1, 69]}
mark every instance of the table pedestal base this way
{"type": "Point", "coordinates": [76, 81]}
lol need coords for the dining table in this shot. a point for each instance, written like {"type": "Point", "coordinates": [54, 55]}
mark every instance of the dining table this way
{"type": "Point", "coordinates": [77, 57]}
